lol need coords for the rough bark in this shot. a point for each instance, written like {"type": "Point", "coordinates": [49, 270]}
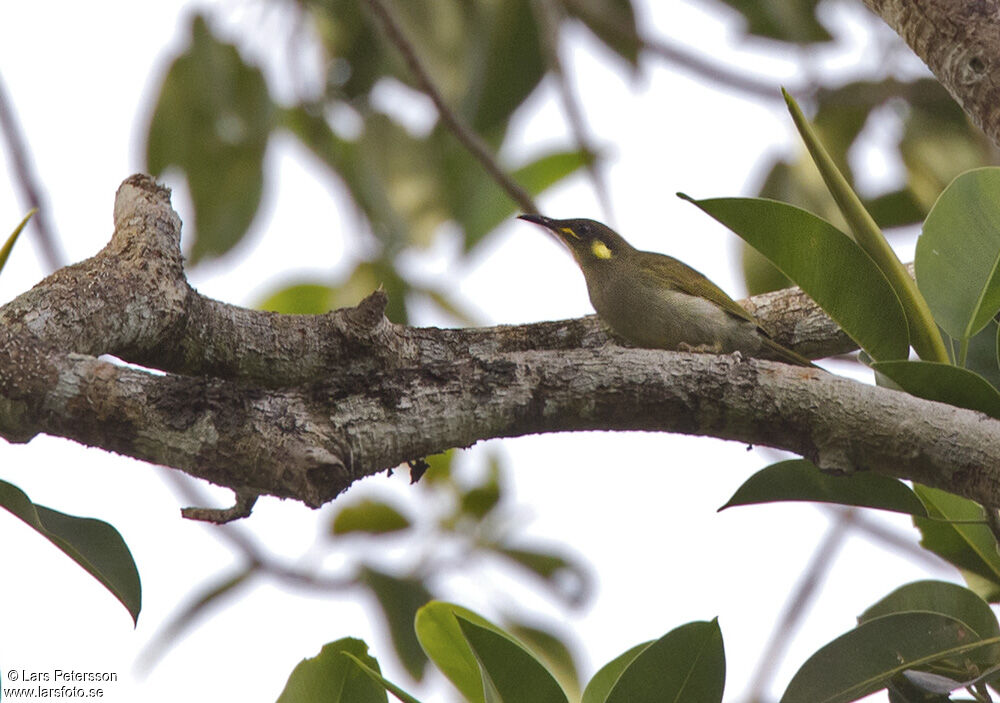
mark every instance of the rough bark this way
{"type": "Point", "coordinates": [960, 42]}
{"type": "Point", "coordinates": [300, 406]}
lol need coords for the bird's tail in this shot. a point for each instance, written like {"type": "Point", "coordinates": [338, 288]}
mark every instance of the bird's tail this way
{"type": "Point", "coordinates": [775, 352]}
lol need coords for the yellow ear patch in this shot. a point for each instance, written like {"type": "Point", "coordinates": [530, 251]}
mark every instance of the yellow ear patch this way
{"type": "Point", "coordinates": [600, 249]}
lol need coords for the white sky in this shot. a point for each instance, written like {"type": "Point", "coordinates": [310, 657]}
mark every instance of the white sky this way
{"type": "Point", "coordinates": [641, 508]}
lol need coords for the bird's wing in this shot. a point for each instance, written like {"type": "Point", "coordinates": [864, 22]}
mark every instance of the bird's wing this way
{"type": "Point", "coordinates": [659, 268]}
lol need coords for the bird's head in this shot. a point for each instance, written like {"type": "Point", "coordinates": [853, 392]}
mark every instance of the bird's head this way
{"type": "Point", "coordinates": [592, 243]}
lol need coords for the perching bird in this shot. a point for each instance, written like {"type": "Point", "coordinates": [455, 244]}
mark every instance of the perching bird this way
{"type": "Point", "coordinates": [655, 301]}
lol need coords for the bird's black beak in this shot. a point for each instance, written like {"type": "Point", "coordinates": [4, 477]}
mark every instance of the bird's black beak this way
{"type": "Point", "coordinates": [547, 222]}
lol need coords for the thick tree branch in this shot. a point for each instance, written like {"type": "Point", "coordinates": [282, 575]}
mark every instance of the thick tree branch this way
{"type": "Point", "coordinates": [960, 42]}
{"type": "Point", "coordinates": [302, 406]}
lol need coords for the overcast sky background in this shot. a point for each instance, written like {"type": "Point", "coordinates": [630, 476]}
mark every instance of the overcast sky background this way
{"type": "Point", "coordinates": [641, 508]}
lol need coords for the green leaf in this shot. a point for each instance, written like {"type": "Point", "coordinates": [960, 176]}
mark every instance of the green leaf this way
{"type": "Point", "coordinates": [863, 660]}
{"type": "Point", "coordinates": [369, 516]}
{"type": "Point", "coordinates": [441, 638]}
{"type": "Point", "coordinates": [508, 668]}
{"type": "Point", "coordinates": [613, 23]}
{"type": "Point", "coordinates": [564, 575]}
{"type": "Point", "coordinates": [553, 651]}
{"type": "Point", "coordinates": [93, 544]}
{"type": "Point", "coordinates": [958, 253]}
{"type": "Point", "coordinates": [607, 676]}
{"type": "Point", "coordinates": [399, 600]}
{"type": "Point", "coordinates": [947, 599]}
{"type": "Point", "coordinates": [800, 480]}
{"type": "Point", "coordinates": [825, 264]}
{"type": "Point", "coordinates": [923, 333]}
{"type": "Point", "coordinates": [686, 664]}
{"type": "Point", "coordinates": [790, 20]}
{"type": "Point", "coordinates": [300, 299]}
{"type": "Point", "coordinates": [970, 547]}
{"type": "Point", "coordinates": [480, 205]}
{"type": "Point", "coordinates": [943, 383]}
{"type": "Point", "coordinates": [386, 683]}
{"type": "Point", "coordinates": [9, 244]}
{"type": "Point", "coordinates": [212, 120]}
{"type": "Point", "coordinates": [333, 677]}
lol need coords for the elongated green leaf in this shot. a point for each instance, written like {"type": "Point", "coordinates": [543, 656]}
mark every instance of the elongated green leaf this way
{"type": "Point", "coordinates": [369, 516]}
{"type": "Point", "coordinates": [564, 575]}
{"type": "Point", "coordinates": [607, 676]}
{"type": "Point", "coordinates": [552, 650]}
{"type": "Point", "coordinates": [799, 480]}
{"type": "Point", "coordinates": [441, 638]}
{"type": "Point", "coordinates": [825, 264]}
{"type": "Point", "coordinates": [923, 332]}
{"type": "Point", "coordinates": [376, 676]}
{"type": "Point", "coordinates": [333, 677]}
{"type": "Point", "coordinates": [958, 253]}
{"type": "Point", "coordinates": [947, 599]}
{"type": "Point", "coordinates": [970, 547]}
{"type": "Point", "coordinates": [686, 664]}
{"type": "Point", "coordinates": [93, 544]}
{"type": "Point", "coordinates": [8, 246]}
{"type": "Point", "coordinates": [944, 383]}
{"type": "Point", "coordinates": [481, 206]}
{"type": "Point", "coordinates": [863, 660]}
{"type": "Point", "coordinates": [399, 599]}
{"type": "Point", "coordinates": [508, 668]}
{"type": "Point", "coordinates": [212, 120]}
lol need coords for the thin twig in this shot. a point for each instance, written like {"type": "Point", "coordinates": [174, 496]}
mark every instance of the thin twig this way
{"type": "Point", "coordinates": [31, 189]}
{"type": "Point", "coordinates": [811, 579]}
{"type": "Point", "coordinates": [476, 146]}
{"type": "Point", "coordinates": [548, 16]}
{"type": "Point", "coordinates": [689, 60]}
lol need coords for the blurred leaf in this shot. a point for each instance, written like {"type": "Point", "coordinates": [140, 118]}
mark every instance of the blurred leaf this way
{"type": "Point", "coordinates": [219, 589]}
{"type": "Point", "coordinates": [607, 676]}
{"type": "Point", "coordinates": [970, 547]}
{"type": "Point", "coordinates": [480, 205]}
{"type": "Point", "coordinates": [399, 600]}
{"type": "Point", "coordinates": [824, 262]}
{"type": "Point", "coordinates": [93, 544]}
{"type": "Point", "coordinates": [441, 638]}
{"type": "Point", "coordinates": [212, 120]}
{"type": "Point", "coordinates": [369, 516]}
{"type": "Point", "coordinates": [553, 652]}
{"type": "Point", "coordinates": [479, 500]}
{"type": "Point", "coordinates": [439, 470]}
{"type": "Point", "coordinates": [384, 682]}
{"type": "Point", "coordinates": [565, 576]}
{"type": "Point", "coordinates": [800, 480]}
{"type": "Point", "coordinates": [612, 22]}
{"type": "Point", "coordinates": [300, 299]}
{"type": "Point", "coordinates": [505, 67]}
{"type": "Point", "coordinates": [863, 660]}
{"type": "Point", "coordinates": [332, 677]}
{"type": "Point", "coordinates": [9, 244]}
{"type": "Point", "coordinates": [686, 664]}
{"type": "Point", "coordinates": [951, 600]}
{"type": "Point", "coordinates": [790, 20]}
{"type": "Point", "coordinates": [508, 669]}
{"type": "Point", "coordinates": [958, 253]}
{"type": "Point", "coordinates": [355, 54]}
{"type": "Point", "coordinates": [944, 383]}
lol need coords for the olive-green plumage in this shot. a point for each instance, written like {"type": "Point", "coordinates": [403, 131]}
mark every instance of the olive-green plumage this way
{"type": "Point", "coordinates": [655, 301]}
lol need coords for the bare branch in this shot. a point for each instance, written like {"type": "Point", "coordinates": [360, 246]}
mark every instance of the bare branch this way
{"type": "Point", "coordinates": [31, 189]}
{"type": "Point", "coordinates": [300, 406]}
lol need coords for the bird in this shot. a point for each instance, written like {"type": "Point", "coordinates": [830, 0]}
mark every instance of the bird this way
{"type": "Point", "coordinates": [655, 301]}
